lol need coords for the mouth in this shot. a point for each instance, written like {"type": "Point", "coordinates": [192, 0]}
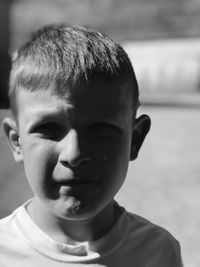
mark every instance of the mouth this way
{"type": "Point", "coordinates": [76, 181]}
{"type": "Point", "coordinates": [77, 186]}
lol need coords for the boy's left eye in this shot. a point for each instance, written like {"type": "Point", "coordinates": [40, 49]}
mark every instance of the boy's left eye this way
{"type": "Point", "coordinates": [104, 128]}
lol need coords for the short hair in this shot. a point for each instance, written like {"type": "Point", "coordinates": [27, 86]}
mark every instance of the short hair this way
{"type": "Point", "coordinates": [65, 57]}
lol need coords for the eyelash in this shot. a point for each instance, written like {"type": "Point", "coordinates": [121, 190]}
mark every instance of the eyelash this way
{"type": "Point", "coordinates": [105, 128]}
{"type": "Point", "coordinates": [48, 129]}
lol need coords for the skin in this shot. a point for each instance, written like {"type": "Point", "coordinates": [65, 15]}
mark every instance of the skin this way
{"type": "Point", "coordinates": [75, 151]}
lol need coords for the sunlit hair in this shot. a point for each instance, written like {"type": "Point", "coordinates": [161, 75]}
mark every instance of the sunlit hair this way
{"type": "Point", "coordinates": [60, 58]}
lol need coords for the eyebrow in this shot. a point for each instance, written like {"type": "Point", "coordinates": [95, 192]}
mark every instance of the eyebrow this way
{"type": "Point", "coordinates": [44, 116]}
{"type": "Point", "coordinates": [45, 113]}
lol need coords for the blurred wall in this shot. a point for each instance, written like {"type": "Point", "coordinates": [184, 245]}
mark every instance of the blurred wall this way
{"type": "Point", "coordinates": [168, 67]}
{"type": "Point", "coordinates": [4, 46]}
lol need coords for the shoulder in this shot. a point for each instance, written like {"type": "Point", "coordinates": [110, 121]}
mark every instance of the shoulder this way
{"type": "Point", "coordinates": [153, 240]}
{"type": "Point", "coordinates": [7, 221]}
{"type": "Point", "coordinates": [13, 245]}
{"type": "Point", "coordinates": [148, 230]}
{"type": "Point", "coordinates": [8, 229]}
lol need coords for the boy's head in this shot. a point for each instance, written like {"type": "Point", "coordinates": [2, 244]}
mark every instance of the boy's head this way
{"type": "Point", "coordinates": [61, 58]}
{"type": "Point", "coordinates": [74, 96]}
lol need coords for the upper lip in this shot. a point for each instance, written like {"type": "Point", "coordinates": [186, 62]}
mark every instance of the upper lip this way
{"type": "Point", "coordinates": [75, 176]}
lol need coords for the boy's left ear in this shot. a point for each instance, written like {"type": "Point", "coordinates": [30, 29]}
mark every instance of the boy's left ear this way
{"type": "Point", "coordinates": [140, 130]}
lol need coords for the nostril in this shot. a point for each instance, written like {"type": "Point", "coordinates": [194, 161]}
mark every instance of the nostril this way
{"type": "Point", "coordinates": [79, 161]}
{"type": "Point", "coordinates": [65, 163]}
{"type": "Point", "coordinates": [76, 162]}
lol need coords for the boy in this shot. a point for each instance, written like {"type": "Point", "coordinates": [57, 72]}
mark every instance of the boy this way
{"type": "Point", "coordinates": [74, 97]}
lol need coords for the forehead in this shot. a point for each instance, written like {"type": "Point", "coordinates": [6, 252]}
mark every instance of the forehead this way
{"type": "Point", "coordinates": [102, 92]}
{"type": "Point", "coordinates": [98, 99]}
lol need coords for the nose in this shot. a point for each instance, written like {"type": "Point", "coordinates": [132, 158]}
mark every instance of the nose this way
{"type": "Point", "coordinates": [74, 150]}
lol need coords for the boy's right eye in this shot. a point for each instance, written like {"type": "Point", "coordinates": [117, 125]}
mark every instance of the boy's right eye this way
{"type": "Point", "coordinates": [49, 130]}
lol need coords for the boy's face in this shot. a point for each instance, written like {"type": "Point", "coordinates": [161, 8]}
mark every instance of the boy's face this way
{"type": "Point", "coordinates": [76, 149]}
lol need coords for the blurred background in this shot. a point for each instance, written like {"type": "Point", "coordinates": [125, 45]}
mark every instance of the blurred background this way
{"type": "Point", "coordinates": [162, 38]}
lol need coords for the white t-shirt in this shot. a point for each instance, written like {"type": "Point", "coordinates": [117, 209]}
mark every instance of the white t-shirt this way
{"type": "Point", "coordinates": [132, 242]}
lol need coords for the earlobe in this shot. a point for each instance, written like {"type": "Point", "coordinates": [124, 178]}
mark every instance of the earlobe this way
{"type": "Point", "coordinates": [11, 132]}
{"type": "Point", "coordinates": [140, 130]}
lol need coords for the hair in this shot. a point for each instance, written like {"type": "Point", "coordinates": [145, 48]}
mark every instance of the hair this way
{"type": "Point", "coordinates": [66, 57]}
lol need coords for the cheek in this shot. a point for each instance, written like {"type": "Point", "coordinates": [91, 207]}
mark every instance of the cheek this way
{"type": "Point", "coordinates": [115, 147]}
{"type": "Point", "coordinates": [113, 166]}
{"type": "Point", "coordinates": [115, 155]}
{"type": "Point", "coordinates": [39, 160]}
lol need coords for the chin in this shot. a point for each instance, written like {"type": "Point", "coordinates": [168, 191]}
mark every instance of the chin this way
{"type": "Point", "coordinates": [73, 209]}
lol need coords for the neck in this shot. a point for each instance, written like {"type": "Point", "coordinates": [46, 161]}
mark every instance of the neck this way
{"type": "Point", "coordinates": [64, 231]}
